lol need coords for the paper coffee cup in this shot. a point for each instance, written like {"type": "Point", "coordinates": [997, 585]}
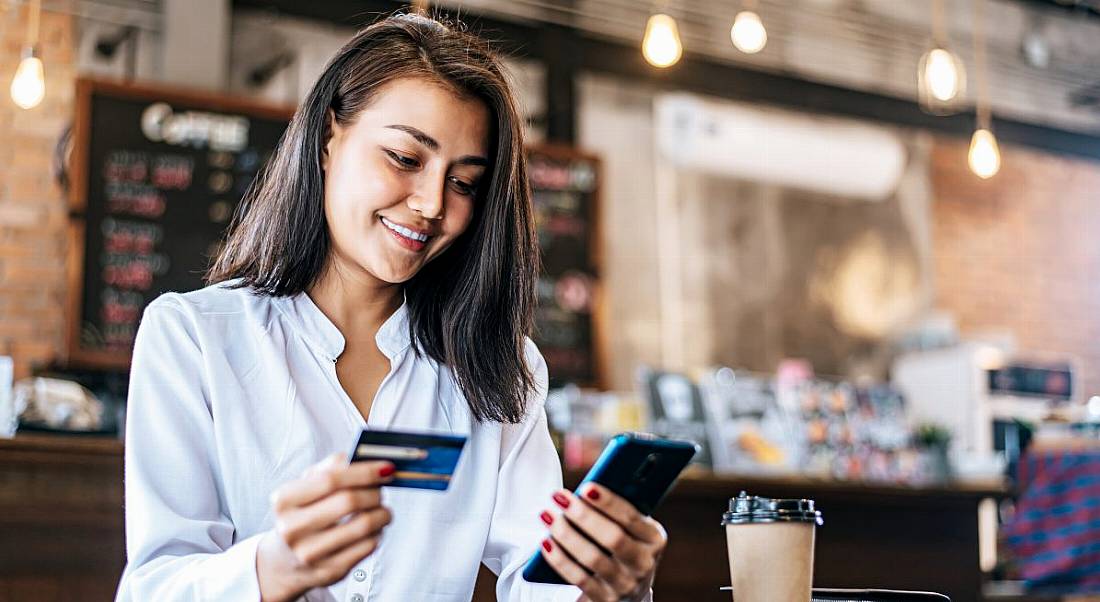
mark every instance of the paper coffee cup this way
{"type": "Point", "coordinates": [771, 548]}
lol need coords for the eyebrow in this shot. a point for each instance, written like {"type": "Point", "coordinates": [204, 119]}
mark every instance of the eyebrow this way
{"type": "Point", "coordinates": [433, 145]}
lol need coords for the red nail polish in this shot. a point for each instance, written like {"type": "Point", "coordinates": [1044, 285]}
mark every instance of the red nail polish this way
{"type": "Point", "coordinates": [546, 545]}
{"type": "Point", "coordinates": [592, 494]}
{"type": "Point", "coordinates": [547, 518]}
{"type": "Point", "coordinates": [388, 470]}
{"type": "Point", "coordinates": [560, 499]}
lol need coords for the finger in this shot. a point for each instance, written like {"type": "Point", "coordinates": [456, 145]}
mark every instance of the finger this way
{"type": "Point", "coordinates": [323, 544]}
{"type": "Point", "coordinates": [299, 523]}
{"type": "Point", "coordinates": [336, 567]}
{"type": "Point", "coordinates": [605, 532]}
{"type": "Point", "coordinates": [574, 573]}
{"type": "Point", "coordinates": [640, 526]}
{"type": "Point", "coordinates": [330, 461]}
{"type": "Point", "coordinates": [590, 556]}
{"type": "Point", "coordinates": [324, 480]}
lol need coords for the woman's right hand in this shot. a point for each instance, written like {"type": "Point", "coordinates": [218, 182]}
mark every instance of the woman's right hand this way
{"type": "Point", "coordinates": [325, 523]}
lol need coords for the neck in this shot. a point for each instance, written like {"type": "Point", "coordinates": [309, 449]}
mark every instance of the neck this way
{"type": "Point", "coordinates": [356, 302]}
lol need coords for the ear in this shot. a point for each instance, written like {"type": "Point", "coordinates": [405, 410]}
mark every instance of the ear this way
{"type": "Point", "coordinates": [333, 132]}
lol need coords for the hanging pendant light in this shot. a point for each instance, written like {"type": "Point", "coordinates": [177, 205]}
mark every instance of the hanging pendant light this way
{"type": "Point", "coordinates": [941, 76]}
{"type": "Point", "coordinates": [984, 156]}
{"type": "Point", "coordinates": [748, 33]}
{"type": "Point", "coordinates": [661, 45]}
{"type": "Point", "coordinates": [28, 87]}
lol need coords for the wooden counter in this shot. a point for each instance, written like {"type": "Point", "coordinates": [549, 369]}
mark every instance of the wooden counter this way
{"type": "Point", "coordinates": [874, 536]}
{"type": "Point", "coordinates": [61, 518]}
{"type": "Point", "coordinates": [62, 534]}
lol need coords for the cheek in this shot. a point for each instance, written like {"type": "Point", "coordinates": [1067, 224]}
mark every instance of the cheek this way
{"type": "Point", "coordinates": [459, 215]}
{"type": "Point", "coordinates": [352, 196]}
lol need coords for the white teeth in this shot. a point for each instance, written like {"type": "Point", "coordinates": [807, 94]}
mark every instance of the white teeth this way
{"type": "Point", "coordinates": [403, 231]}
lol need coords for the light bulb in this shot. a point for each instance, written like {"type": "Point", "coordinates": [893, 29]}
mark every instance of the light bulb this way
{"type": "Point", "coordinates": [748, 33]}
{"type": "Point", "coordinates": [661, 44]}
{"type": "Point", "coordinates": [941, 74]}
{"type": "Point", "coordinates": [984, 156]}
{"type": "Point", "coordinates": [28, 87]}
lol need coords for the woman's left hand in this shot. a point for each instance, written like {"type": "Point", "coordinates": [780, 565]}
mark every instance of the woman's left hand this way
{"type": "Point", "coordinates": [606, 547]}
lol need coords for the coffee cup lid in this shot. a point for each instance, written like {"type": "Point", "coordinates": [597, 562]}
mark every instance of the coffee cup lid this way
{"type": "Point", "coordinates": [747, 508]}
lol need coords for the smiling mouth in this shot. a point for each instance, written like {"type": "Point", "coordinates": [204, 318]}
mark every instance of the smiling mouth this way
{"type": "Point", "coordinates": [406, 232]}
{"type": "Point", "coordinates": [406, 237]}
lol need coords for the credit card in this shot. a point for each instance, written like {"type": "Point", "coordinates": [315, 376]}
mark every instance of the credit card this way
{"type": "Point", "coordinates": [422, 460]}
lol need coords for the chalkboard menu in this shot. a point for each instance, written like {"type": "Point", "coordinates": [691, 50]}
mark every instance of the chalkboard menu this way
{"type": "Point", "coordinates": [157, 174]}
{"type": "Point", "coordinates": [565, 186]}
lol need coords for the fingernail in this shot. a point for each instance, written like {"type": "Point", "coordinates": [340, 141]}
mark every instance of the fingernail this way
{"type": "Point", "coordinates": [592, 494]}
{"type": "Point", "coordinates": [547, 518]}
{"type": "Point", "coordinates": [546, 545]}
{"type": "Point", "coordinates": [560, 499]}
{"type": "Point", "coordinates": [387, 470]}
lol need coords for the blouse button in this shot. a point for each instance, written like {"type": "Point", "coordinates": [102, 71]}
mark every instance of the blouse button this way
{"type": "Point", "coordinates": [359, 575]}
{"type": "Point", "coordinates": [357, 598]}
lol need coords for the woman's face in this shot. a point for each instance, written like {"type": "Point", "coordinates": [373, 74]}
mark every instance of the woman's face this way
{"type": "Point", "coordinates": [401, 179]}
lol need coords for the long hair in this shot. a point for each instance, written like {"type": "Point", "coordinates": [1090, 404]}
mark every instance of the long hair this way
{"type": "Point", "coordinates": [471, 307]}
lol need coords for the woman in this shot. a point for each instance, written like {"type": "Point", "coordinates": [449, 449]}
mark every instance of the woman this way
{"type": "Point", "coordinates": [379, 274]}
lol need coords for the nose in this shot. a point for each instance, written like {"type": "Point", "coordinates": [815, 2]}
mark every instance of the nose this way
{"type": "Point", "coordinates": [427, 199]}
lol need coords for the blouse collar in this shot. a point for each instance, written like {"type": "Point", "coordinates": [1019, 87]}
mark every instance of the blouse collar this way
{"type": "Point", "coordinates": [315, 326]}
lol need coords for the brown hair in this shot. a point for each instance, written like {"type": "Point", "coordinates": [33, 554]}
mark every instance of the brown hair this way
{"type": "Point", "coordinates": [470, 308]}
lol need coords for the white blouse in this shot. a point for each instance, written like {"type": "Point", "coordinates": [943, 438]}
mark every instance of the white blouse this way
{"type": "Point", "coordinates": [233, 394]}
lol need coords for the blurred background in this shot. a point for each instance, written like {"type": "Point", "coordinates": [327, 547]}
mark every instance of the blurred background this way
{"type": "Point", "coordinates": [847, 246]}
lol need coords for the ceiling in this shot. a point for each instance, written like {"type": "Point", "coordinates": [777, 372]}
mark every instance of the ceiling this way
{"type": "Point", "coordinates": [1088, 7]}
{"type": "Point", "coordinates": [864, 45]}
{"type": "Point", "coordinates": [873, 45]}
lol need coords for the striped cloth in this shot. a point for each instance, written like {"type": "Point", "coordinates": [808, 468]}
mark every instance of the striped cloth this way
{"type": "Point", "coordinates": [1055, 532]}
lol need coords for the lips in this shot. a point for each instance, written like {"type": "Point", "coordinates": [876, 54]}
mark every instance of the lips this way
{"type": "Point", "coordinates": [414, 240]}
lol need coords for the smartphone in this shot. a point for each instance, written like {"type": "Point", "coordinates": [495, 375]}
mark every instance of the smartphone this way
{"type": "Point", "coordinates": [638, 467]}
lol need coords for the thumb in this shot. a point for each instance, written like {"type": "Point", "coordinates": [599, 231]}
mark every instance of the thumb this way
{"type": "Point", "coordinates": [330, 461]}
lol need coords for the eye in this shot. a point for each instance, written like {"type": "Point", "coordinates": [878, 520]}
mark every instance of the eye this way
{"type": "Point", "coordinates": [463, 188]}
{"type": "Point", "coordinates": [403, 161]}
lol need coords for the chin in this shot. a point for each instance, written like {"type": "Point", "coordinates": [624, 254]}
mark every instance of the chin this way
{"type": "Point", "coordinates": [392, 276]}
{"type": "Point", "coordinates": [380, 263]}
{"type": "Point", "coordinates": [388, 277]}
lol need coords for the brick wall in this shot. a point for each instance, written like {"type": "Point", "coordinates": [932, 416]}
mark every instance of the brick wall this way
{"type": "Point", "coordinates": [33, 210]}
{"type": "Point", "coordinates": [1021, 253]}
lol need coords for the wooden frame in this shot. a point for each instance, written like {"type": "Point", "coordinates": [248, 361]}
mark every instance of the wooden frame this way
{"type": "Point", "coordinates": [86, 89]}
{"type": "Point", "coordinates": [562, 152]}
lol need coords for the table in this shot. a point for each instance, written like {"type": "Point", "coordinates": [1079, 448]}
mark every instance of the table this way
{"type": "Point", "coordinates": [874, 536]}
{"type": "Point", "coordinates": [62, 531]}
{"type": "Point", "coordinates": [61, 518]}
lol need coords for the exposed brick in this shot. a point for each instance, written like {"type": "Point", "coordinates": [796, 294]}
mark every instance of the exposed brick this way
{"type": "Point", "coordinates": [41, 273]}
{"type": "Point", "coordinates": [1020, 252]}
{"type": "Point", "coordinates": [33, 214]}
{"type": "Point", "coordinates": [21, 215]}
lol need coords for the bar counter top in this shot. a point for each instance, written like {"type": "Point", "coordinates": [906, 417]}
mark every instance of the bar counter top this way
{"type": "Point", "coordinates": [78, 445]}
{"type": "Point", "coordinates": [62, 532]}
{"type": "Point", "coordinates": [708, 484]}
{"type": "Point", "coordinates": [43, 447]}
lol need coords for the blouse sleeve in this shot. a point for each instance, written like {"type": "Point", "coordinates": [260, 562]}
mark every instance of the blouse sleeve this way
{"type": "Point", "coordinates": [529, 473]}
{"type": "Point", "coordinates": [179, 542]}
